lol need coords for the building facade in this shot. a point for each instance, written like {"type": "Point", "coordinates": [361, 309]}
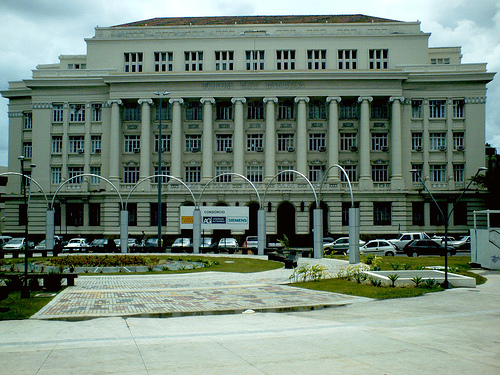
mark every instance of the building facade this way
{"type": "Point", "coordinates": [254, 96]}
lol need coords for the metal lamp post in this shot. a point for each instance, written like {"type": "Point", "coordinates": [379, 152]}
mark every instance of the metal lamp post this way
{"type": "Point", "coordinates": [25, 292]}
{"type": "Point", "coordinates": [160, 179]}
{"type": "Point", "coordinates": [446, 218]}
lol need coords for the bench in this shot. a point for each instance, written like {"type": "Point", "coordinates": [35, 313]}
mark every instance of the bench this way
{"type": "Point", "coordinates": [288, 258]}
{"type": "Point", "coordinates": [17, 277]}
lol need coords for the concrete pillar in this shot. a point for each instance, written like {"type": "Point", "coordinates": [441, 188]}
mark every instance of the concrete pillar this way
{"type": "Point", "coordinates": [176, 138]}
{"type": "Point", "coordinates": [301, 144]}
{"type": "Point", "coordinates": [318, 233]}
{"type": "Point", "coordinates": [145, 164]}
{"type": "Point", "coordinates": [270, 141]}
{"type": "Point", "coordinates": [397, 182]}
{"type": "Point", "coordinates": [239, 141]}
{"type": "Point", "coordinates": [114, 143]}
{"type": "Point", "coordinates": [333, 137]}
{"type": "Point", "coordinates": [365, 178]}
{"type": "Point", "coordinates": [207, 140]}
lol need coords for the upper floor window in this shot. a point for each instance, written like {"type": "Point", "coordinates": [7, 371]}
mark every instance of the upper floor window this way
{"type": "Point", "coordinates": [95, 144]}
{"type": "Point", "coordinates": [378, 58]}
{"type": "Point", "coordinates": [437, 141]}
{"type": "Point", "coordinates": [255, 110]}
{"type": "Point", "coordinates": [416, 141]}
{"type": "Point", "coordinates": [458, 141]}
{"type": "Point", "coordinates": [133, 62]}
{"type": "Point", "coordinates": [458, 172]}
{"type": "Point", "coordinates": [416, 109]}
{"type": "Point", "coordinates": [27, 149]}
{"type": "Point", "coordinates": [285, 59]}
{"type": "Point", "coordinates": [96, 112]}
{"type": "Point", "coordinates": [221, 170]}
{"type": "Point", "coordinates": [255, 142]}
{"type": "Point", "coordinates": [193, 111]}
{"type": "Point", "coordinates": [437, 108]}
{"type": "Point", "coordinates": [254, 60]}
{"type": "Point", "coordinates": [254, 173]}
{"type": "Point", "coordinates": [76, 144]}
{"type": "Point", "coordinates": [193, 61]}
{"type": "Point", "coordinates": [28, 120]}
{"type": "Point", "coordinates": [57, 144]}
{"type": "Point", "coordinates": [76, 113]}
{"type": "Point", "coordinates": [74, 173]}
{"type": "Point", "coordinates": [96, 170]}
{"type": "Point", "coordinates": [415, 176]}
{"type": "Point", "coordinates": [77, 66]}
{"type": "Point", "coordinates": [380, 142]}
{"type": "Point", "coordinates": [164, 61]}
{"type": "Point", "coordinates": [316, 173]}
{"type": "Point", "coordinates": [132, 112]}
{"type": "Point", "coordinates": [57, 113]}
{"type": "Point", "coordinates": [440, 61]}
{"type": "Point", "coordinates": [286, 110]}
{"type": "Point", "coordinates": [348, 142]}
{"type": "Point", "coordinates": [224, 110]}
{"type": "Point", "coordinates": [132, 143]}
{"type": "Point", "coordinates": [285, 176]}
{"type": "Point", "coordinates": [347, 58]}
{"type": "Point", "coordinates": [166, 111]}
{"type": "Point", "coordinates": [193, 142]}
{"type": "Point", "coordinates": [164, 170]}
{"type": "Point", "coordinates": [458, 108]}
{"type": "Point", "coordinates": [286, 142]}
{"type": "Point", "coordinates": [348, 110]}
{"type": "Point", "coordinates": [224, 142]}
{"type": "Point", "coordinates": [438, 172]}
{"type": "Point", "coordinates": [316, 59]}
{"type": "Point", "coordinates": [56, 175]}
{"type": "Point", "coordinates": [224, 60]}
{"type": "Point", "coordinates": [130, 175]}
{"type": "Point", "coordinates": [352, 173]}
{"type": "Point", "coordinates": [379, 110]}
{"type": "Point", "coordinates": [380, 173]}
{"type": "Point", "coordinates": [193, 174]}
{"type": "Point", "coordinates": [317, 142]}
{"type": "Point", "coordinates": [317, 110]}
{"type": "Point", "coordinates": [165, 143]}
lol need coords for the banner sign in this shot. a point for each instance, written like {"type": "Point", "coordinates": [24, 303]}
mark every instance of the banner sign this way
{"type": "Point", "coordinates": [216, 217]}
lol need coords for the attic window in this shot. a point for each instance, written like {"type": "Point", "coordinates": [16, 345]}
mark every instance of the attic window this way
{"type": "Point", "coordinates": [255, 33]}
{"type": "Point", "coordinates": [77, 66]}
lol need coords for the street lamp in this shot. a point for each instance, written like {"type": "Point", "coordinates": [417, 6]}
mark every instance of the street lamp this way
{"type": "Point", "coordinates": [160, 179]}
{"type": "Point", "coordinates": [446, 218]}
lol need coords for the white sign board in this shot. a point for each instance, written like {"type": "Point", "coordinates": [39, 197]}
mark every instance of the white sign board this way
{"type": "Point", "coordinates": [216, 217]}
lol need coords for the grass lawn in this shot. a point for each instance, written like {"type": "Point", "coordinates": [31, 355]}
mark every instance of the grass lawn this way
{"type": "Point", "coordinates": [23, 308]}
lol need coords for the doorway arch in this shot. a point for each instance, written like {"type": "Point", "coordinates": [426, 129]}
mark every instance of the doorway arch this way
{"type": "Point", "coordinates": [286, 220]}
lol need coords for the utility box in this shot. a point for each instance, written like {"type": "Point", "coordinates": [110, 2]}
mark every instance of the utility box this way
{"type": "Point", "coordinates": [485, 240]}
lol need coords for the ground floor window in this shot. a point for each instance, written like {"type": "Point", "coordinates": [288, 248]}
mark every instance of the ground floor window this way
{"type": "Point", "coordinates": [417, 212]}
{"type": "Point", "coordinates": [153, 217]}
{"type": "Point", "coordinates": [382, 213]}
{"type": "Point", "coordinates": [74, 214]}
{"type": "Point", "coordinates": [94, 214]}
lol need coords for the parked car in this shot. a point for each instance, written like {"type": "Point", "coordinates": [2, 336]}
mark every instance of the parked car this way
{"type": "Point", "coordinates": [17, 243]}
{"type": "Point", "coordinates": [251, 242]}
{"type": "Point", "coordinates": [182, 244]}
{"type": "Point", "coordinates": [427, 247]}
{"type": "Point", "coordinates": [440, 239]}
{"type": "Point", "coordinates": [4, 240]}
{"type": "Point", "coordinates": [41, 245]}
{"type": "Point", "coordinates": [461, 244]}
{"type": "Point", "coordinates": [327, 240]}
{"type": "Point", "coordinates": [229, 244]}
{"type": "Point", "coordinates": [405, 238]}
{"type": "Point", "coordinates": [132, 242]}
{"type": "Point", "coordinates": [207, 242]}
{"type": "Point", "coordinates": [104, 245]}
{"type": "Point", "coordinates": [340, 245]}
{"type": "Point", "coordinates": [76, 244]}
{"type": "Point", "coordinates": [379, 247]}
{"type": "Point", "coordinates": [151, 244]}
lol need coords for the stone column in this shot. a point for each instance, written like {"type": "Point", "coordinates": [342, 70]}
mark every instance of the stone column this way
{"type": "Point", "coordinates": [333, 137]}
{"type": "Point", "coordinates": [239, 142]}
{"type": "Point", "coordinates": [365, 178]}
{"type": "Point", "coordinates": [397, 182]}
{"type": "Point", "coordinates": [145, 164]}
{"type": "Point", "coordinates": [450, 178]}
{"type": "Point", "coordinates": [270, 142]}
{"type": "Point", "coordinates": [176, 138]}
{"type": "Point", "coordinates": [425, 143]}
{"type": "Point", "coordinates": [88, 141]}
{"type": "Point", "coordinates": [207, 140]}
{"type": "Point", "coordinates": [114, 142]}
{"type": "Point", "coordinates": [301, 145]}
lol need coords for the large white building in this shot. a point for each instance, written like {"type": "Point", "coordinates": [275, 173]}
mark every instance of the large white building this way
{"type": "Point", "coordinates": [255, 96]}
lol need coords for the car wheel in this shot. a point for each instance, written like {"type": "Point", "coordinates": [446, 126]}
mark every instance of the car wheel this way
{"type": "Point", "coordinates": [414, 254]}
{"type": "Point", "coordinates": [449, 254]}
{"type": "Point", "coordinates": [389, 254]}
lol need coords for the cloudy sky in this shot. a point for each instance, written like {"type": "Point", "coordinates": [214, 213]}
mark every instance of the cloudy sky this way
{"type": "Point", "coordinates": [38, 31]}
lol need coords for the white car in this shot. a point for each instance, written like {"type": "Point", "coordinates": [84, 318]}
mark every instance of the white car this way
{"type": "Point", "coordinates": [251, 242]}
{"type": "Point", "coordinates": [228, 243]}
{"type": "Point", "coordinates": [379, 247]}
{"type": "Point", "coordinates": [76, 244]}
{"type": "Point", "coordinates": [16, 243]}
{"type": "Point", "coordinates": [340, 245]}
{"type": "Point", "coordinates": [182, 242]}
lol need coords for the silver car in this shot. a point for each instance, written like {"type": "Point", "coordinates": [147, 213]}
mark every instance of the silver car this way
{"type": "Point", "coordinates": [379, 247]}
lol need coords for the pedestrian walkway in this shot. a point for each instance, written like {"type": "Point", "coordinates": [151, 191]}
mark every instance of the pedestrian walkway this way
{"type": "Point", "coordinates": [204, 293]}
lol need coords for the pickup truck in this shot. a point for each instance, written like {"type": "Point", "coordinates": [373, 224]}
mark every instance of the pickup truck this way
{"type": "Point", "coordinates": [407, 237]}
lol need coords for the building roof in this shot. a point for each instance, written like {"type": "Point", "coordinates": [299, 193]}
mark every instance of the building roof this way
{"type": "Point", "coordinates": [246, 20]}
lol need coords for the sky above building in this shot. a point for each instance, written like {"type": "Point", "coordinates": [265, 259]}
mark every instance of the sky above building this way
{"type": "Point", "coordinates": [38, 32]}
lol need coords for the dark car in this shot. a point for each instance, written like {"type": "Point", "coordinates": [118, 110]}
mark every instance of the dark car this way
{"type": "Point", "coordinates": [104, 245]}
{"type": "Point", "coordinates": [427, 247]}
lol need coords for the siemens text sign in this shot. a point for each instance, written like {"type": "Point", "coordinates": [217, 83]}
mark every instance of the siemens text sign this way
{"type": "Point", "coordinates": [216, 217]}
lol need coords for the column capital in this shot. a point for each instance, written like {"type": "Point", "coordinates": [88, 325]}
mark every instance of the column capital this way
{"type": "Point", "coordinates": [301, 98]}
{"type": "Point", "coordinates": [242, 100]}
{"type": "Point", "coordinates": [207, 100]}
{"type": "Point", "coordinates": [363, 98]}
{"type": "Point", "coordinates": [330, 99]}
{"type": "Point", "coordinates": [394, 98]}
{"type": "Point", "coordinates": [145, 101]}
{"type": "Point", "coordinates": [115, 101]}
{"type": "Point", "coordinates": [274, 100]}
{"type": "Point", "coordinates": [176, 100]}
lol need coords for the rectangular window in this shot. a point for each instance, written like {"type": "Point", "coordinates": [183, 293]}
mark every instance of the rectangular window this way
{"type": "Point", "coordinates": [436, 217]}
{"type": "Point", "coordinates": [379, 110]}
{"type": "Point", "coordinates": [285, 176]}
{"type": "Point", "coordinates": [222, 170]}
{"type": "Point", "coordinates": [437, 141]}
{"type": "Point", "coordinates": [153, 214]}
{"type": "Point", "coordinates": [255, 142]}
{"type": "Point", "coordinates": [76, 113]}
{"type": "Point", "coordinates": [458, 172]}
{"type": "Point", "coordinates": [285, 59]}
{"type": "Point", "coordinates": [380, 173]}
{"type": "Point", "coordinates": [165, 170]}
{"type": "Point", "coordinates": [164, 61]}
{"type": "Point", "coordinates": [22, 214]}
{"type": "Point", "coordinates": [76, 144]}
{"type": "Point", "coordinates": [132, 113]}
{"type": "Point", "coordinates": [130, 175]}
{"type": "Point", "coordinates": [458, 141]}
{"type": "Point", "coordinates": [166, 111]}
{"type": "Point", "coordinates": [416, 109]}
{"type": "Point", "coordinates": [316, 59]}
{"type": "Point", "coordinates": [57, 113]}
{"type": "Point", "coordinates": [286, 142]}
{"type": "Point", "coordinates": [55, 175]}
{"type": "Point", "coordinates": [95, 169]}
{"type": "Point", "coordinates": [57, 144]}
{"type": "Point", "coordinates": [317, 142]}
{"type": "Point", "coordinates": [437, 108]}
{"type": "Point", "coordinates": [193, 174]}
{"type": "Point", "coordinates": [193, 61]}
{"type": "Point", "coordinates": [416, 141]}
{"type": "Point", "coordinates": [28, 150]}
{"type": "Point", "coordinates": [224, 142]}
{"type": "Point", "coordinates": [345, 211]}
{"type": "Point", "coordinates": [348, 110]}
{"type": "Point", "coordinates": [193, 142]}
{"type": "Point", "coordinates": [255, 110]}
{"type": "Point", "coordinates": [132, 214]}
{"type": "Point", "coordinates": [347, 58]}
{"type": "Point", "coordinates": [224, 60]}
{"type": "Point", "coordinates": [316, 173]}
{"type": "Point", "coordinates": [382, 213]}
{"type": "Point", "coordinates": [27, 120]}
{"type": "Point", "coordinates": [440, 61]}
{"type": "Point", "coordinates": [438, 172]}
{"type": "Point", "coordinates": [415, 176]}
{"type": "Point", "coordinates": [254, 173]}
{"type": "Point", "coordinates": [133, 62]}
{"type": "Point", "coordinates": [460, 214]}
{"type": "Point", "coordinates": [95, 214]}
{"type": "Point", "coordinates": [317, 110]}
{"type": "Point", "coordinates": [165, 143]}
{"type": "Point", "coordinates": [417, 213]}
{"type": "Point", "coordinates": [348, 142]}
{"type": "Point", "coordinates": [131, 144]}
{"type": "Point", "coordinates": [378, 58]}
{"type": "Point", "coordinates": [458, 108]}
{"type": "Point", "coordinates": [74, 214]}
{"type": "Point", "coordinates": [380, 142]}
{"type": "Point", "coordinates": [73, 173]}
{"type": "Point", "coordinates": [352, 173]}
{"type": "Point", "coordinates": [96, 112]}
{"type": "Point", "coordinates": [286, 110]}
{"type": "Point", "coordinates": [95, 144]}
{"type": "Point", "coordinates": [224, 111]}
{"type": "Point", "coordinates": [193, 111]}
{"type": "Point", "coordinates": [254, 60]}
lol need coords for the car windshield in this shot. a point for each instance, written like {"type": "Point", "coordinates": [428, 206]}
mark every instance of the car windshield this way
{"type": "Point", "coordinates": [16, 241]}
{"type": "Point", "coordinates": [99, 242]}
